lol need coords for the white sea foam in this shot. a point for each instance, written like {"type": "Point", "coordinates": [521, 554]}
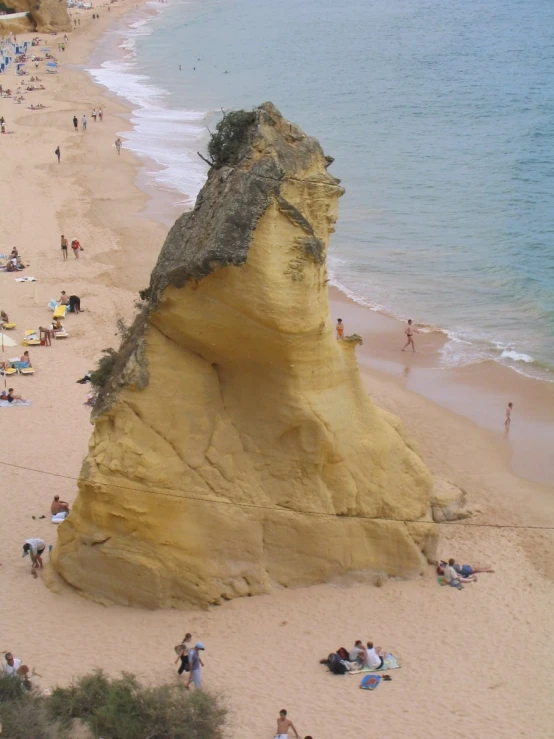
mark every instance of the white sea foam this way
{"type": "Point", "coordinates": [516, 356]}
{"type": "Point", "coordinates": [165, 135]}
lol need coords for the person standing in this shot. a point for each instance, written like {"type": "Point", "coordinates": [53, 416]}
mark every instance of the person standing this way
{"type": "Point", "coordinates": [339, 329]}
{"type": "Point", "coordinates": [76, 246]}
{"type": "Point", "coordinates": [84, 122]}
{"type": "Point", "coordinates": [100, 112]}
{"type": "Point", "coordinates": [93, 114]}
{"type": "Point", "coordinates": [118, 145]}
{"type": "Point", "coordinates": [64, 247]}
{"type": "Point", "coordinates": [75, 123]}
{"type": "Point", "coordinates": [508, 420]}
{"type": "Point", "coordinates": [283, 726]}
{"type": "Point", "coordinates": [182, 650]}
{"type": "Point", "coordinates": [13, 667]}
{"type": "Point", "coordinates": [35, 548]}
{"type": "Point", "coordinates": [58, 154]}
{"type": "Point", "coordinates": [410, 335]}
{"type": "Point", "coordinates": [195, 663]}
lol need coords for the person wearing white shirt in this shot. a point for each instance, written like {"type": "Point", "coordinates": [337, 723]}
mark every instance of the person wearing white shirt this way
{"type": "Point", "coordinates": [371, 658]}
{"type": "Point", "coordinates": [356, 653]}
{"type": "Point", "coordinates": [13, 667]}
{"type": "Point", "coordinates": [34, 547]}
{"type": "Point", "coordinates": [451, 574]}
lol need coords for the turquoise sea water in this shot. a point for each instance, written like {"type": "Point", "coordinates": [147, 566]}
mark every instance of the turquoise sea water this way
{"type": "Point", "coordinates": [440, 117]}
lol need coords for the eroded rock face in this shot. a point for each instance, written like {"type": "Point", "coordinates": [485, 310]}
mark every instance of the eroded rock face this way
{"type": "Point", "coordinates": [235, 449]}
{"type": "Point", "coordinates": [46, 15]}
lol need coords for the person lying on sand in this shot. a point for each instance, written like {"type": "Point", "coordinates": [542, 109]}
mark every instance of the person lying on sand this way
{"type": "Point", "coordinates": [463, 570]}
{"type": "Point", "coordinates": [12, 398]}
{"type": "Point", "coordinates": [59, 506]}
{"type": "Point", "coordinates": [451, 575]}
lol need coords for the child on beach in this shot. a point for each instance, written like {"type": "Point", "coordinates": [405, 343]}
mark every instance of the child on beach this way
{"type": "Point", "coordinates": [508, 420]}
{"type": "Point", "coordinates": [283, 726]}
{"type": "Point", "coordinates": [339, 329]}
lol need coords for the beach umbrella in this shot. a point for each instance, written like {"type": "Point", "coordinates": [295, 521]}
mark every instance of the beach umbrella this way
{"type": "Point", "coordinates": [5, 342]}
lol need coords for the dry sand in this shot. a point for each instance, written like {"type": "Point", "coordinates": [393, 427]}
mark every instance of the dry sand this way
{"type": "Point", "coordinates": [475, 663]}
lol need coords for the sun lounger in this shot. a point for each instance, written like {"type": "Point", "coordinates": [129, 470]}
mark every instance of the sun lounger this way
{"type": "Point", "coordinates": [31, 342]}
{"type": "Point", "coordinates": [8, 326]}
{"type": "Point", "coordinates": [60, 311]}
{"type": "Point", "coordinates": [9, 371]}
{"type": "Point", "coordinates": [61, 334]}
{"type": "Point", "coordinates": [27, 371]}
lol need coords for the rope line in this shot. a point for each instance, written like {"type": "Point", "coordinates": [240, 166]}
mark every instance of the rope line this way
{"type": "Point", "coordinates": [181, 496]}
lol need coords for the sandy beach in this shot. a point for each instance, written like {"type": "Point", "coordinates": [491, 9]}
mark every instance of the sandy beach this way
{"type": "Point", "coordinates": [476, 662]}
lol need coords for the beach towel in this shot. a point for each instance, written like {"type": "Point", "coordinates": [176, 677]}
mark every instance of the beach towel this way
{"type": "Point", "coordinates": [453, 583]}
{"type": "Point", "coordinates": [60, 311]}
{"type": "Point", "coordinates": [25, 279]}
{"type": "Point", "coordinates": [18, 404]}
{"type": "Point", "coordinates": [370, 682]}
{"type": "Point", "coordinates": [59, 517]}
{"type": "Point", "coordinates": [390, 663]}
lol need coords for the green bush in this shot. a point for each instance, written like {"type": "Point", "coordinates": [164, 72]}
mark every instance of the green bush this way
{"type": "Point", "coordinates": [230, 135]}
{"type": "Point", "coordinates": [22, 713]}
{"type": "Point", "coordinates": [124, 709]}
{"type": "Point", "coordinates": [104, 368]}
{"type": "Point", "coordinates": [114, 709]}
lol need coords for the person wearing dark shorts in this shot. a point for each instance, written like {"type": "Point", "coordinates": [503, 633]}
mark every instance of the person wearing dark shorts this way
{"type": "Point", "coordinates": [74, 303]}
{"type": "Point", "coordinates": [64, 247]}
{"type": "Point", "coordinates": [35, 548]}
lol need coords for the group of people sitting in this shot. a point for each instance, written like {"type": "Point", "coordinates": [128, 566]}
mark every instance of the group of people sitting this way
{"type": "Point", "coordinates": [14, 263]}
{"type": "Point", "coordinates": [360, 657]}
{"type": "Point", "coordinates": [23, 363]}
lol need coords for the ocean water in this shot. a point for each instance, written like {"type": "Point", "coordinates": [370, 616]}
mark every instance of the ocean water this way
{"type": "Point", "coordinates": [440, 117]}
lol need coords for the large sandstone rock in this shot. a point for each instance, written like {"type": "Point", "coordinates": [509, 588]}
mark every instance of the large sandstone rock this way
{"type": "Point", "coordinates": [235, 449]}
{"type": "Point", "coordinates": [46, 15]}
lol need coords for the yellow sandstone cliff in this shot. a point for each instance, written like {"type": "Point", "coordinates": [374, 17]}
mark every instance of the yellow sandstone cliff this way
{"type": "Point", "coordinates": [235, 449]}
{"type": "Point", "coordinates": [45, 16]}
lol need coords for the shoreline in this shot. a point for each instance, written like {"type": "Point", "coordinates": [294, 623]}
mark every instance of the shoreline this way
{"type": "Point", "coordinates": [94, 195]}
{"type": "Point", "coordinates": [477, 391]}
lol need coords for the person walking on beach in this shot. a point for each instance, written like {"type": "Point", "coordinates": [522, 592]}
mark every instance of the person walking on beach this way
{"type": "Point", "coordinates": [283, 726]}
{"type": "Point", "coordinates": [100, 111]}
{"type": "Point", "coordinates": [410, 335]}
{"type": "Point", "coordinates": [58, 153]}
{"type": "Point", "coordinates": [93, 114]}
{"type": "Point", "coordinates": [508, 420]}
{"type": "Point", "coordinates": [339, 329]}
{"type": "Point", "coordinates": [84, 122]}
{"type": "Point", "coordinates": [75, 123]}
{"type": "Point", "coordinates": [118, 145]}
{"type": "Point", "coordinates": [64, 247]}
{"type": "Point", "coordinates": [182, 651]}
{"type": "Point", "coordinates": [195, 663]}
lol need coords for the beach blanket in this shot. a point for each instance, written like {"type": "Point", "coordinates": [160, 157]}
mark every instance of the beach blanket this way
{"type": "Point", "coordinates": [453, 583]}
{"type": "Point", "coordinates": [390, 663]}
{"type": "Point", "coordinates": [19, 404]}
{"type": "Point", "coordinates": [25, 279]}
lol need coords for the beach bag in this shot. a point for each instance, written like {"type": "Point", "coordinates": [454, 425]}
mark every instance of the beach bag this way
{"type": "Point", "coordinates": [336, 665]}
{"type": "Point", "coordinates": [343, 654]}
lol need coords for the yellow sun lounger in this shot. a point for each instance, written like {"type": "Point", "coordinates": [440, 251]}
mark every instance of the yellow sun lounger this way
{"type": "Point", "coordinates": [8, 326]}
{"type": "Point", "coordinates": [9, 371]}
{"type": "Point", "coordinates": [60, 311]}
{"type": "Point", "coordinates": [27, 371]}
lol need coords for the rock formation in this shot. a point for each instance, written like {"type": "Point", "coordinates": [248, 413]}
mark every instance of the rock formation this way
{"type": "Point", "coordinates": [235, 449]}
{"type": "Point", "coordinates": [45, 16]}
